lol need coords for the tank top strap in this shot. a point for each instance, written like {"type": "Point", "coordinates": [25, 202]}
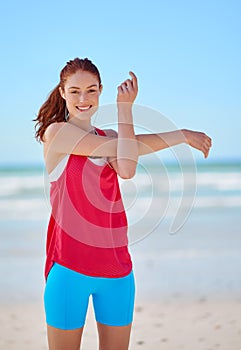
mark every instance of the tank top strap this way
{"type": "Point", "coordinates": [100, 132]}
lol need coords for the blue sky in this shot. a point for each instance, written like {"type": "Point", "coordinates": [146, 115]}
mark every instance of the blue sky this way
{"type": "Point", "coordinates": [186, 54]}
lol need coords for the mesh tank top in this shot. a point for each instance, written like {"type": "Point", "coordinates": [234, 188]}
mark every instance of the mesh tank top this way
{"type": "Point", "coordinates": [87, 230]}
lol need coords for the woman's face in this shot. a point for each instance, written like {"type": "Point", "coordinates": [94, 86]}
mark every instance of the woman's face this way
{"type": "Point", "coordinates": [81, 92]}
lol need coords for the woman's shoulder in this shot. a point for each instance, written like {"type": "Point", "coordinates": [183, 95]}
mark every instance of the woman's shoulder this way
{"type": "Point", "coordinates": [52, 129]}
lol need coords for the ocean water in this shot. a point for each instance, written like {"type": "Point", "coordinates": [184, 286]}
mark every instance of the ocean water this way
{"type": "Point", "coordinates": [184, 229]}
{"type": "Point", "coordinates": [24, 191]}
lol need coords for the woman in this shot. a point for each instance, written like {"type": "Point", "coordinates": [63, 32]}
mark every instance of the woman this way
{"type": "Point", "coordinates": [87, 248]}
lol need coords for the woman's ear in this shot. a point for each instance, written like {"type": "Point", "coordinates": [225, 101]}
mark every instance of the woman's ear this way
{"type": "Point", "coordinates": [101, 88]}
{"type": "Point", "coordinates": [61, 92]}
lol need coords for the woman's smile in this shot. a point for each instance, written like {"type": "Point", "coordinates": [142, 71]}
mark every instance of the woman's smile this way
{"type": "Point", "coordinates": [83, 108]}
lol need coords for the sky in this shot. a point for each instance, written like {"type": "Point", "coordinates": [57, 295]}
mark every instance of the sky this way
{"type": "Point", "coordinates": [186, 55]}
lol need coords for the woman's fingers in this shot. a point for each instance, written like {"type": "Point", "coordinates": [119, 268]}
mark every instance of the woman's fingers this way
{"type": "Point", "coordinates": [131, 84]}
{"type": "Point", "coordinates": [207, 144]}
{"type": "Point", "coordinates": [206, 151]}
{"type": "Point", "coordinates": [127, 91]}
{"type": "Point", "coordinates": [120, 89]}
{"type": "Point", "coordinates": [134, 80]}
{"type": "Point", "coordinates": [127, 85]}
{"type": "Point", "coordinates": [199, 140]}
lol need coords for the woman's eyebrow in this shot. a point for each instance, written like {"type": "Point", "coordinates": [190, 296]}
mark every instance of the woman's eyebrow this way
{"type": "Point", "coordinates": [75, 87]}
{"type": "Point", "coordinates": [92, 86]}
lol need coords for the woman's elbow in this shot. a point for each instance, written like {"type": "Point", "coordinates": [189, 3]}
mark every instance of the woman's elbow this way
{"type": "Point", "coordinates": [126, 169]}
{"type": "Point", "coordinates": [127, 174]}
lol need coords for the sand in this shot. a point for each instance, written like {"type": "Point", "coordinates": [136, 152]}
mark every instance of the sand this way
{"type": "Point", "coordinates": [203, 324]}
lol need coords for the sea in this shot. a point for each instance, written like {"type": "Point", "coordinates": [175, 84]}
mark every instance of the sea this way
{"type": "Point", "coordinates": [184, 230]}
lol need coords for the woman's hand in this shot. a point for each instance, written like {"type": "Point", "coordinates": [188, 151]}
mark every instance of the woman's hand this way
{"type": "Point", "coordinates": [198, 140]}
{"type": "Point", "coordinates": [127, 91]}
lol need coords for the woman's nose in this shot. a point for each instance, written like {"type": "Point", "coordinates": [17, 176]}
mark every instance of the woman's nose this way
{"type": "Point", "coordinates": [83, 97]}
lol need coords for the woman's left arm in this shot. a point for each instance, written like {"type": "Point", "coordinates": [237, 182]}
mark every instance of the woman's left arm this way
{"type": "Point", "coordinates": [150, 143]}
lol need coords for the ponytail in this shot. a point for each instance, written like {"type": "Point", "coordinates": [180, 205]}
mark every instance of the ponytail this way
{"type": "Point", "coordinates": [53, 110]}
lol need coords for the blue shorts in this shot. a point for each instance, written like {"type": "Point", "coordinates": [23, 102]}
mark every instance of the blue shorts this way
{"type": "Point", "coordinates": [67, 295]}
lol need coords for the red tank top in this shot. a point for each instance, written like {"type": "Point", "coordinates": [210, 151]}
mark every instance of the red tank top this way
{"type": "Point", "coordinates": [87, 230]}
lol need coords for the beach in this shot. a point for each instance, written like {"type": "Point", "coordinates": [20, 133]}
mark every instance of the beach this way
{"type": "Point", "coordinates": [198, 324]}
{"type": "Point", "coordinates": [188, 282]}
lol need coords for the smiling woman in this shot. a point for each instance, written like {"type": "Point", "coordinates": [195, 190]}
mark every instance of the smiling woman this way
{"type": "Point", "coordinates": [87, 244]}
{"type": "Point", "coordinates": [97, 261]}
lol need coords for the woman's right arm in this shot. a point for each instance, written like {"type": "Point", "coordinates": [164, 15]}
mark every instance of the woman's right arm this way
{"type": "Point", "coordinates": [65, 138]}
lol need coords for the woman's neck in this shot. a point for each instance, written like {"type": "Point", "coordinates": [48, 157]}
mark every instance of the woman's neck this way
{"type": "Point", "coordinates": [82, 124]}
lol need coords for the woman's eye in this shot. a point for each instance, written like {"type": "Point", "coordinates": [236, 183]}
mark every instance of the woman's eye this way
{"type": "Point", "coordinates": [74, 92]}
{"type": "Point", "coordinates": [91, 91]}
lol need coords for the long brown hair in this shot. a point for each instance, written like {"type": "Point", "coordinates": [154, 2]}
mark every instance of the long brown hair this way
{"type": "Point", "coordinates": [54, 108]}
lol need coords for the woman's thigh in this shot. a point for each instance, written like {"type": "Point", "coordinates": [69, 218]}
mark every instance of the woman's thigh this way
{"type": "Point", "coordinates": [66, 298]}
{"type": "Point", "coordinates": [59, 339]}
{"type": "Point", "coordinates": [114, 301]}
{"type": "Point", "coordinates": [113, 337]}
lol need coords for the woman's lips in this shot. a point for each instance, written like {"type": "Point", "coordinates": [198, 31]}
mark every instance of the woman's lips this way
{"type": "Point", "coordinates": [83, 108]}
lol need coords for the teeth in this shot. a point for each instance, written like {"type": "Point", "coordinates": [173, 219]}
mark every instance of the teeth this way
{"type": "Point", "coordinates": [83, 108]}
